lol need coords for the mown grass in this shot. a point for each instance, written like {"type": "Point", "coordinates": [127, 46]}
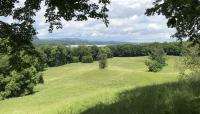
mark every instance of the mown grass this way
{"type": "Point", "coordinates": [78, 88]}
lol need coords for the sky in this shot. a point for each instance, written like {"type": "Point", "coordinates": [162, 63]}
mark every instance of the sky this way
{"type": "Point", "coordinates": [127, 24]}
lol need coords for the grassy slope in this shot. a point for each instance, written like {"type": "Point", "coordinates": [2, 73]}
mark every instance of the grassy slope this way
{"type": "Point", "coordinates": [74, 88]}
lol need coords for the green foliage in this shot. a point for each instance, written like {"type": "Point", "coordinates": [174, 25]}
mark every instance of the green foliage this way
{"type": "Point", "coordinates": [19, 83]}
{"type": "Point", "coordinates": [60, 55]}
{"type": "Point", "coordinates": [3, 60]}
{"type": "Point", "coordinates": [95, 51]}
{"type": "Point", "coordinates": [191, 59]}
{"type": "Point", "coordinates": [81, 51]}
{"type": "Point", "coordinates": [55, 56]}
{"type": "Point", "coordinates": [103, 61]}
{"type": "Point", "coordinates": [16, 37]}
{"type": "Point", "coordinates": [183, 15]}
{"type": "Point", "coordinates": [75, 60]}
{"type": "Point", "coordinates": [158, 54]}
{"type": "Point", "coordinates": [40, 79]}
{"type": "Point", "coordinates": [154, 66]}
{"type": "Point", "coordinates": [173, 49]}
{"type": "Point", "coordinates": [190, 66]}
{"type": "Point", "coordinates": [134, 50]}
{"type": "Point", "coordinates": [87, 59]}
{"type": "Point", "coordinates": [107, 51]}
{"type": "Point", "coordinates": [157, 60]}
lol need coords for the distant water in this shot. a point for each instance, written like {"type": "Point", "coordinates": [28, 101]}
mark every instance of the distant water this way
{"type": "Point", "coordinates": [73, 46]}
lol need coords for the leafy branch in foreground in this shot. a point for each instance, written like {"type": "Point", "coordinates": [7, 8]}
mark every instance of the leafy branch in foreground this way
{"type": "Point", "coordinates": [17, 36]}
{"type": "Point", "coordinates": [183, 15]}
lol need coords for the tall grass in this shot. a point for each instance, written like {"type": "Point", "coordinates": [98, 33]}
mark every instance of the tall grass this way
{"type": "Point", "coordinates": [182, 97]}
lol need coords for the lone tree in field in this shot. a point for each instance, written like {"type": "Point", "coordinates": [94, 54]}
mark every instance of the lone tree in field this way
{"type": "Point", "coordinates": [159, 55]}
{"type": "Point", "coordinates": [157, 60]}
{"type": "Point", "coordinates": [17, 36]}
{"type": "Point", "coordinates": [183, 15]}
{"type": "Point", "coordinates": [103, 61]}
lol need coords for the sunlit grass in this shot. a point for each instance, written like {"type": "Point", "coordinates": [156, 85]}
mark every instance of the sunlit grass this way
{"type": "Point", "coordinates": [74, 88]}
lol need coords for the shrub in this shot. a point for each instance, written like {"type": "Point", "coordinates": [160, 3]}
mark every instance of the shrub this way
{"type": "Point", "coordinates": [154, 66]}
{"type": "Point", "coordinates": [40, 79]}
{"type": "Point", "coordinates": [103, 61]}
{"type": "Point", "coordinates": [157, 60]}
{"type": "Point", "coordinates": [191, 59]}
{"type": "Point", "coordinates": [158, 55]}
{"type": "Point", "coordinates": [19, 83]}
{"type": "Point", "coordinates": [87, 59]}
{"type": "Point", "coordinates": [75, 59]}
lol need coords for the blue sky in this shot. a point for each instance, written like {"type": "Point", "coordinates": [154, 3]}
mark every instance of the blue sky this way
{"type": "Point", "coordinates": [127, 23]}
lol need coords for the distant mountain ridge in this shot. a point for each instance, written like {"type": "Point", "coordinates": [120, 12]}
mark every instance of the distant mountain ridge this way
{"type": "Point", "coordinates": [74, 41]}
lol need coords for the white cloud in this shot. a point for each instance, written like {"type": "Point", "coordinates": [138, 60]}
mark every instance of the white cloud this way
{"type": "Point", "coordinates": [127, 23]}
{"type": "Point", "coordinates": [154, 26]}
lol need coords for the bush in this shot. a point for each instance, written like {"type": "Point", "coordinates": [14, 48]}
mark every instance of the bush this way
{"type": "Point", "coordinates": [157, 60]}
{"type": "Point", "coordinates": [103, 61]}
{"type": "Point", "coordinates": [19, 83]}
{"type": "Point", "coordinates": [158, 54]}
{"type": "Point", "coordinates": [87, 59]}
{"type": "Point", "coordinates": [154, 66]}
{"type": "Point", "coordinates": [75, 59]}
{"type": "Point", "coordinates": [40, 79]}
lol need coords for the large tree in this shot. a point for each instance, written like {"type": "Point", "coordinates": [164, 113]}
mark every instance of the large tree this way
{"type": "Point", "coordinates": [183, 15]}
{"type": "Point", "coordinates": [16, 38]}
{"type": "Point", "coordinates": [19, 35]}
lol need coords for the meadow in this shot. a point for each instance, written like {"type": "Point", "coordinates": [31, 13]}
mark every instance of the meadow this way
{"type": "Point", "coordinates": [85, 89]}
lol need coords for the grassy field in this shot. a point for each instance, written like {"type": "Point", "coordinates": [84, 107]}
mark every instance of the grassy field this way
{"type": "Point", "coordinates": [75, 88]}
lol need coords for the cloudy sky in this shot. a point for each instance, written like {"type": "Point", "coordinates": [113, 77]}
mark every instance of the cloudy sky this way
{"type": "Point", "coordinates": [127, 23]}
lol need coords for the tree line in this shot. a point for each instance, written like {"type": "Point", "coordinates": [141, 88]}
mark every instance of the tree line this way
{"type": "Point", "coordinates": [129, 50]}
{"type": "Point", "coordinates": [61, 54]}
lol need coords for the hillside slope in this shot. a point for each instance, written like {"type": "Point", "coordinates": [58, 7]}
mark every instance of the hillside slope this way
{"type": "Point", "coordinates": [75, 88]}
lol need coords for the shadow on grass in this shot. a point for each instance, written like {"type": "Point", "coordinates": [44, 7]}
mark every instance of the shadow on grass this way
{"type": "Point", "coordinates": [170, 98]}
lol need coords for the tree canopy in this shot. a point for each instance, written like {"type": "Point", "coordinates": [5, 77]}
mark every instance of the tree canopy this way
{"type": "Point", "coordinates": [20, 33]}
{"type": "Point", "coordinates": [16, 37]}
{"type": "Point", "coordinates": [183, 15]}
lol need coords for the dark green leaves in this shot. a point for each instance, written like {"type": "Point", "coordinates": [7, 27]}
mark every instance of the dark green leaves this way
{"type": "Point", "coordinates": [183, 15]}
{"type": "Point", "coordinates": [16, 38]}
{"type": "Point", "coordinates": [75, 10]}
{"type": "Point", "coordinates": [6, 7]}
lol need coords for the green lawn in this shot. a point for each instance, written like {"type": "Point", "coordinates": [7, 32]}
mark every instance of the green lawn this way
{"type": "Point", "coordinates": [75, 88]}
